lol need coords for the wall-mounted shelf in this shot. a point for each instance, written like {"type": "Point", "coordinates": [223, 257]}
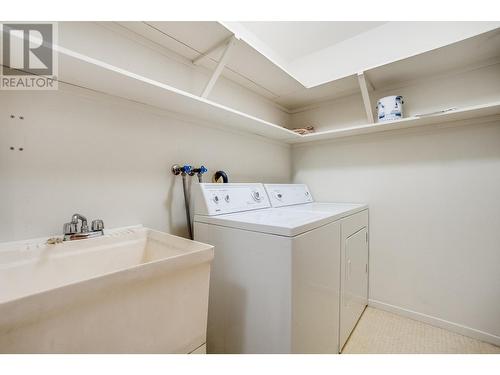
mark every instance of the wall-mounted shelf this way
{"type": "Point", "coordinates": [87, 72]}
{"type": "Point", "coordinates": [252, 69]}
{"type": "Point", "coordinates": [458, 115]}
{"type": "Point", "coordinates": [84, 71]}
{"type": "Point", "coordinates": [194, 39]}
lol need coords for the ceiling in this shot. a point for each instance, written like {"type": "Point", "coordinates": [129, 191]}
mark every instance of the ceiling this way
{"type": "Point", "coordinates": [295, 39]}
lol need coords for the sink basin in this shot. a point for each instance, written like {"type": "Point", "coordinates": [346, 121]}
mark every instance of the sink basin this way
{"type": "Point", "coordinates": [133, 290]}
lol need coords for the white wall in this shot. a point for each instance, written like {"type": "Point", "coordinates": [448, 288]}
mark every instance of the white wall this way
{"type": "Point", "coordinates": [108, 158]}
{"type": "Point", "coordinates": [337, 113]}
{"type": "Point", "coordinates": [434, 216]}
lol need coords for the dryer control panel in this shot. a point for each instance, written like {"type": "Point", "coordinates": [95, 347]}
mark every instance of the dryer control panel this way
{"type": "Point", "coordinates": [288, 194]}
{"type": "Point", "coordinates": [217, 199]}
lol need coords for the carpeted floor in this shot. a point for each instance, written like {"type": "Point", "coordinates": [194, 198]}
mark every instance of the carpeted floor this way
{"type": "Point", "coordinates": [381, 332]}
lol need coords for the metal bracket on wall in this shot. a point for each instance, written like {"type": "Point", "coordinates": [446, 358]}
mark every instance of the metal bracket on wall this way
{"type": "Point", "coordinates": [220, 66]}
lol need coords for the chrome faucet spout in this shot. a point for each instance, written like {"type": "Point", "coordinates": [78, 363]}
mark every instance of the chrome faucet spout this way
{"type": "Point", "coordinates": [76, 217]}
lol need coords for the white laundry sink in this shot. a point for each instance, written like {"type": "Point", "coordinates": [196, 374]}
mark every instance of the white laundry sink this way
{"type": "Point", "coordinates": [133, 290]}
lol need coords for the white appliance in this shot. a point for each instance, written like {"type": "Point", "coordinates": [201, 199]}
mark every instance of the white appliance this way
{"type": "Point", "coordinates": [274, 284]}
{"type": "Point", "coordinates": [353, 220]}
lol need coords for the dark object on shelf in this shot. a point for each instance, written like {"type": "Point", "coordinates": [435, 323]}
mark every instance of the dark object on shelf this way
{"type": "Point", "coordinates": [305, 130]}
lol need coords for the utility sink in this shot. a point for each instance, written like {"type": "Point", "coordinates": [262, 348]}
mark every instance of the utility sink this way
{"type": "Point", "coordinates": [133, 290]}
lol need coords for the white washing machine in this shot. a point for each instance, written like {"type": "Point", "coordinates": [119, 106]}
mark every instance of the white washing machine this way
{"type": "Point", "coordinates": [354, 244]}
{"type": "Point", "coordinates": [275, 279]}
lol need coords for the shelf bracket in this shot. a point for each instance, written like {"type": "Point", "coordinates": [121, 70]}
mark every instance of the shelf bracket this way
{"type": "Point", "coordinates": [218, 69]}
{"type": "Point", "coordinates": [365, 85]}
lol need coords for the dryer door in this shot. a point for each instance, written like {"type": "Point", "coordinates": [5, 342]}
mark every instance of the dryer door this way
{"type": "Point", "coordinates": [354, 281]}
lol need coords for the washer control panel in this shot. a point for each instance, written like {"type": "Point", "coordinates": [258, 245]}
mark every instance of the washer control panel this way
{"type": "Point", "coordinates": [288, 194]}
{"type": "Point", "coordinates": [217, 199]}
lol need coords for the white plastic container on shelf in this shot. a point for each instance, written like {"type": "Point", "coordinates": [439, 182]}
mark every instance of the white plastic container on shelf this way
{"type": "Point", "coordinates": [390, 108]}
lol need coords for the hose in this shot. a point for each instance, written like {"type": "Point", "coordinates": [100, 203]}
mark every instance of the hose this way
{"type": "Point", "coordinates": [185, 171]}
{"type": "Point", "coordinates": [186, 203]}
{"type": "Point", "coordinates": [221, 174]}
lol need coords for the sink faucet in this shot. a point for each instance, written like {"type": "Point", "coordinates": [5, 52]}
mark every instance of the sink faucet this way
{"type": "Point", "coordinates": [74, 220]}
{"type": "Point", "coordinates": [71, 229]}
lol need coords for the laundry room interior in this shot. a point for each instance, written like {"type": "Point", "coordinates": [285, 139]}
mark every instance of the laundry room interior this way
{"type": "Point", "coordinates": [250, 187]}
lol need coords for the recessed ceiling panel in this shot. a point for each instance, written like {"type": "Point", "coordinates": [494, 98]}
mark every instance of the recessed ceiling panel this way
{"type": "Point", "coordinates": [295, 39]}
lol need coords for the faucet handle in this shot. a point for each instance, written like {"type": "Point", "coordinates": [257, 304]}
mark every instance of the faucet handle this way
{"type": "Point", "coordinates": [70, 228]}
{"type": "Point", "coordinates": [97, 225]}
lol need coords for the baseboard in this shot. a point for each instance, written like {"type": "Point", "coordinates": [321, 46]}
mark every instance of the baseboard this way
{"type": "Point", "coordinates": [437, 322]}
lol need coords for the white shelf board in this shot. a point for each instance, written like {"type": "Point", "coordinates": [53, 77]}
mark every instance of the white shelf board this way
{"type": "Point", "coordinates": [84, 71]}
{"type": "Point", "coordinates": [461, 114]}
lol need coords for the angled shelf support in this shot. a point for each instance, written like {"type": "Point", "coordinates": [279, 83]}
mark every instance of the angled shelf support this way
{"type": "Point", "coordinates": [214, 48]}
{"type": "Point", "coordinates": [218, 70]}
{"type": "Point", "coordinates": [365, 85]}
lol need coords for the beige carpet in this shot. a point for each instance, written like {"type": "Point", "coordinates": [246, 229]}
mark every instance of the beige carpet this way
{"type": "Point", "coordinates": [380, 332]}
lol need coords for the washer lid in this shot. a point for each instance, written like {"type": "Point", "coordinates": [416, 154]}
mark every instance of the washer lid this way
{"type": "Point", "coordinates": [276, 221]}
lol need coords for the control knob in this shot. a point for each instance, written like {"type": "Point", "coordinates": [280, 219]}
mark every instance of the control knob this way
{"type": "Point", "coordinates": [256, 196]}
